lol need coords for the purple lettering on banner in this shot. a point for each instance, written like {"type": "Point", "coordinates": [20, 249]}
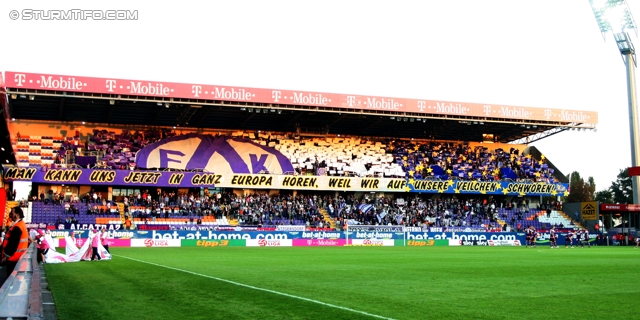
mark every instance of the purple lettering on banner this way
{"type": "Point", "coordinates": [164, 157]}
{"type": "Point", "coordinates": [258, 164]}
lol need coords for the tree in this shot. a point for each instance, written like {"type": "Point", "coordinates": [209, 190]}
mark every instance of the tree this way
{"type": "Point", "coordinates": [579, 190]}
{"type": "Point", "coordinates": [622, 189]}
{"type": "Point", "coordinates": [604, 196]}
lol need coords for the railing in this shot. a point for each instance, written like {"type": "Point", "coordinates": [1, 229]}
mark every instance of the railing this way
{"type": "Point", "coordinates": [21, 294]}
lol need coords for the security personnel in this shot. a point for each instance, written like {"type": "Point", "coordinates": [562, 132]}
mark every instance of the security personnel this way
{"type": "Point", "coordinates": [16, 242]}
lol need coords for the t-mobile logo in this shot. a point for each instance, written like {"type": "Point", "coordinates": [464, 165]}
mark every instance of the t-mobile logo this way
{"type": "Point", "coordinates": [276, 95]}
{"type": "Point", "coordinates": [19, 78]}
{"type": "Point", "coordinates": [110, 85]}
{"type": "Point", "coordinates": [196, 90]}
{"type": "Point", "coordinates": [487, 110]}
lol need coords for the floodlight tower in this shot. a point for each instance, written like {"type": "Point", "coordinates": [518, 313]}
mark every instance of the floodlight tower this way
{"type": "Point", "coordinates": [614, 16]}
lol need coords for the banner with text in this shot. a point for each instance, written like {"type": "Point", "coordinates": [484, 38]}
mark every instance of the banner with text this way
{"type": "Point", "coordinates": [111, 86]}
{"type": "Point", "coordinates": [304, 238]}
{"type": "Point", "coordinates": [278, 182]}
{"type": "Point", "coordinates": [213, 243]}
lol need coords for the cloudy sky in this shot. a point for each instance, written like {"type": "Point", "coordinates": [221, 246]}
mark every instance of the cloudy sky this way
{"type": "Point", "coordinates": [543, 53]}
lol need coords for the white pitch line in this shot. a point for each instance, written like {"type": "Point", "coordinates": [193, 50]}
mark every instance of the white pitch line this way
{"type": "Point", "coordinates": [261, 289]}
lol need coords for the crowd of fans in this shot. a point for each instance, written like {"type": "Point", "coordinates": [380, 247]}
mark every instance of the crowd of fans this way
{"type": "Point", "coordinates": [415, 159]}
{"type": "Point", "coordinates": [446, 160]}
{"type": "Point", "coordinates": [261, 209]}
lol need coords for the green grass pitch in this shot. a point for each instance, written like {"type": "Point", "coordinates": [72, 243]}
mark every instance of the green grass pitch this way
{"type": "Point", "coordinates": [351, 283]}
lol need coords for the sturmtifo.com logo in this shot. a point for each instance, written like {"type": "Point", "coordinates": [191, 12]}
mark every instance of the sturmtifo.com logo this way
{"type": "Point", "coordinates": [73, 14]}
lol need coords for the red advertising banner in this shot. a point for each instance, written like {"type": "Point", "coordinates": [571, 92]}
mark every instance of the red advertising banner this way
{"type": "Point", "coordinates": [23, 80]}
{"type": "Point", "coordinates": [620, 207]}
{"type": "Point", "coordinates": [634, 171]}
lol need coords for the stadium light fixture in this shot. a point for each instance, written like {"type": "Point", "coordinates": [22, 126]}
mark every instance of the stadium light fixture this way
{"type": "Point", "coordinates": [614, 16]}
{"type": "Point", "coordinates": [392, 118]}
{"type": "Point", "coordinates": [31, 97]}
{"type": "Point", "coordinates": [250, 109]}
{"type": "Point", "coordinates": [112, 102]}
{"type": "Point", "coordinates": [14, 96]}
{"type": "Point", "coordinates": [279, 111]}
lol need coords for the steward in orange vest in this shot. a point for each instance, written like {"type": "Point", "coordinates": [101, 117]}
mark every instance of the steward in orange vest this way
{"type": "Point", "coordinates": [16, 241]}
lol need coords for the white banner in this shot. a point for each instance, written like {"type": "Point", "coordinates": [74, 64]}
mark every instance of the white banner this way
{"type": "Point", "coordinates": [290, 228]}
{"type": "Point", "coordinates": [496, 243]}
{"type": "Point", "coordinates": [149, 243]}
{"type": "Point", "coordinates": [269, 243]}
{"type": "Point", "coordinates": [373, 242]}
{"type": "Point", "coordinates": [72, 252]}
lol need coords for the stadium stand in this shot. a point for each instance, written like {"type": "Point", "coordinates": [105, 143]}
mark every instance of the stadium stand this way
{"type": "Point", "coordinates": [335, 156]}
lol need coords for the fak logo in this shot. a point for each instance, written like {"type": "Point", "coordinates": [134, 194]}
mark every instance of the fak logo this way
{"type": "Point", "coordinates": [148, 243]}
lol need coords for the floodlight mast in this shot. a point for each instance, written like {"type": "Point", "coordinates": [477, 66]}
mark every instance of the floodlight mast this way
{"type": "Point", "coordinates": [614, 16]}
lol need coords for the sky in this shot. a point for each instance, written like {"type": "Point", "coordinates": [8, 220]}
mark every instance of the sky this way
{"type": "Point", "coordinates": [542, 53]}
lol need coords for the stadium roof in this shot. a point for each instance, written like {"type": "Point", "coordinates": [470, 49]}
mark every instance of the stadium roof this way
{"type": "Point", "coordinates": [151, 103]}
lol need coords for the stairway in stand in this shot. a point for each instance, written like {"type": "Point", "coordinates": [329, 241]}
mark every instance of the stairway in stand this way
{"type": "Point", "coordinates": [576, 223]}
{"type": "Point", "coordinates": [502, 223]}
{"type": "Point", "coordinates": [327, 219]}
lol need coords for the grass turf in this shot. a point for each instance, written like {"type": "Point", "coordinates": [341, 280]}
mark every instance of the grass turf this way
{"type": "Point", "coordinates": [351, 283]}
